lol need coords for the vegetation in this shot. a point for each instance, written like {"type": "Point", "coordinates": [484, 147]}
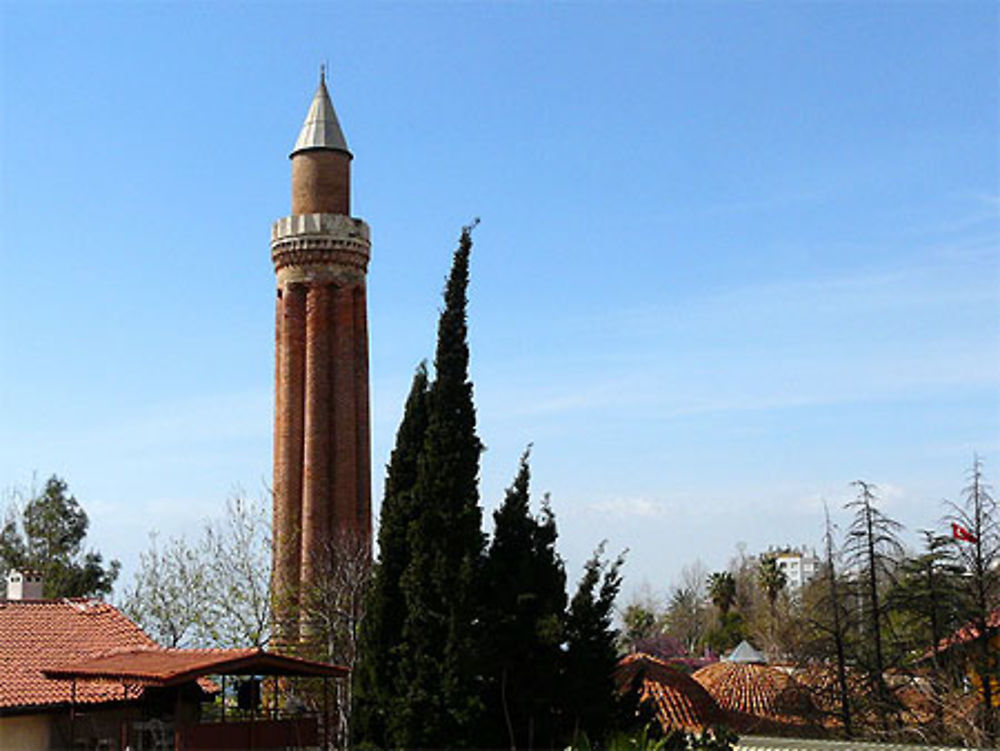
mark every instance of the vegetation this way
{"type": "Point", "coordinates": [212, 592]}
{"type": "Point", "coordinates": [524, 610]}
{"type": "Point", "coordinates": [443, 661]}
{"type": "Point", "coordinates": [892, 644]}
{"type": "Point", "coordinates": [381, 631]}
{"type": "Point", "coordinates": [47, 535]}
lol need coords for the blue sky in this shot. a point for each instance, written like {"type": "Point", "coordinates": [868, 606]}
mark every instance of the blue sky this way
{"type": "Point", "coordinates": [733, 255]}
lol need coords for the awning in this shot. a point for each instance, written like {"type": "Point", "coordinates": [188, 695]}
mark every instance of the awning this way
{"type": "Point", "coordinates": [157, 666]}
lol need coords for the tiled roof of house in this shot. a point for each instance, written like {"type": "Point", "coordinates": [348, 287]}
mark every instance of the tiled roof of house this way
{"type": "Point", "coordinates": [968, 632]}
{"type": "Point", "coordinates": [756, 697]}
{"type": "Point", "coordinates": [822, 682]}
{"type": "Point", "coordinates": [39, 634]}
{"type": "Point", "coordinates": [680, 703]}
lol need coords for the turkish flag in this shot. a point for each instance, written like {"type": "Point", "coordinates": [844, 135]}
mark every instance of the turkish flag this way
{"type": "Point", "coordinates": [961, 533]}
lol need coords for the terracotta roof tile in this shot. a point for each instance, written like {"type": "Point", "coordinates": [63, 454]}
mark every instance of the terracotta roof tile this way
{"type": "Point", "coordinates": [756, 697]}
{"type": "Point", "coordinates": [968, 632]}
{"type": "Point", "coordinates": [679, 701]}
{"type": "Point", "coordinates": [38, 634]}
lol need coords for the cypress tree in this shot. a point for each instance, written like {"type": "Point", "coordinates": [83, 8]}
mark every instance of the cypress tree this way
{"type": "Point", "coordinates": [590, 704]}
{"type": "Point", "coordinates": [437, 683]}
{"type": "Point", "coordinates": [382, 627]}
{"type": "Point", "coordinates": [524, 612]}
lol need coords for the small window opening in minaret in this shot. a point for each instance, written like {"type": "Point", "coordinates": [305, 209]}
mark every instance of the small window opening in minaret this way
{"type": "Point", "coordinates": [279, 293]}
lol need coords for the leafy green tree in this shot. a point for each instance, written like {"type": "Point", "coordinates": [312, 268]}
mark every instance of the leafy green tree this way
{"type": "Point", "coordinates": [524, 611]}
{"type": "Point", "coordinates": [640, 623]}
{"type": "Point", "coordinates": [729, 629]}
{"type": "Point", "coordinates": [381, 635]}
{"type": "Point", "coordinates": [924, 603]}
{"type": "Point", "coordinates": [590, 705]}
{"type": "Point", "coordinates": [440, 699]}
{"type": "Point", "coordinates": [47, 536]}
{"type": "Point", "coordinates": [926, 596]}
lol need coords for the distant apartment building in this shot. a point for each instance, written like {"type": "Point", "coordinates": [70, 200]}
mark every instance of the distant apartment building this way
{"type": "Point", "coordinates": [798, 566]}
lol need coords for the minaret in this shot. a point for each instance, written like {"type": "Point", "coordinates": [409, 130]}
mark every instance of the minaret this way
{"type": "Point", "coordinates": [322, 456]}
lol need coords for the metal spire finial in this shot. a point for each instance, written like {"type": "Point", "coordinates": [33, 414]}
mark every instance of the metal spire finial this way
{"type": "Point", "coordinates": [321, 129]}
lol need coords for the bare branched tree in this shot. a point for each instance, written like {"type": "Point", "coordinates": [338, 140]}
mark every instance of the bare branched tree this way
{"type": "Point", "coordinates": [166, 596]}
{"type": "Point", "coordinates": [333, 610]}
{"type": "Point", "coordinates": [213, 593]}
{"type": "Point", "coordinates": [838, 621]}
{"type": "Point", "coordinates": [872, 548]}
{"type": "Point", "coordinates": [976, 548]}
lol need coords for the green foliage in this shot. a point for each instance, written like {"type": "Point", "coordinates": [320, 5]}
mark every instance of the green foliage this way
{"type": "Point", "coordinates": [524, 611]}
{"type": "Point", "coordinates": [440, 701]}
{"type": "Point", "coordinates": [591, 655]}
{"type": "Point", "coordinates": [651, 738]}
{"type": "Point", "coordinates": [381, 636]}
{"type": "Point", "coordinates": [730, 628]}
{"type": "Point", "coordinates": [925, 596]}
{"type": "Point", "coordinates": [722, 591]}
{"type": "Point", "coordinates": [639, 622]}
{"type": "Point", "coordinates": [463, 647]}
{"type": "Point", "coordinates": [771, 578]}
{"type": "Point", "coordinates": [727, 633]}
{"type": "Point", "coordinates": [48, 537]}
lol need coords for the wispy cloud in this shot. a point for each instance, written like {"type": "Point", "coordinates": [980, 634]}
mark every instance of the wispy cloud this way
{"type": "Point", "coordinates": [629, 507]}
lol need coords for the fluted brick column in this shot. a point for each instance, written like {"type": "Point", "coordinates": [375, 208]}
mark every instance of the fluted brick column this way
{"type": "Point", "coordinates": [288, 455]}
{"type": "Point", "coordinates": [345, 428]}
{"type": "Point", "coordinates": [318, 481]}
{"type": "Point", "coordinates": [363, 510]}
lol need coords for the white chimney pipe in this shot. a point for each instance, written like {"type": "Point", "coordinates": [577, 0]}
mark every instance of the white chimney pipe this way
{"type": "Point", "coordinates": [25, 585]}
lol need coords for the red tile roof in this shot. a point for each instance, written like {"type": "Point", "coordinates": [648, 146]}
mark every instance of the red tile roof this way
{"type": "Point", "coordinates": [680, 702]}
{"type": "Point", "coordinates": [45, 644]}
{"type": "Point", "coordinates": [39, 634]}
{"type": "Point", "coordinates": [968, 632]}
{"type": "Point", "coordinates": [756, 697]}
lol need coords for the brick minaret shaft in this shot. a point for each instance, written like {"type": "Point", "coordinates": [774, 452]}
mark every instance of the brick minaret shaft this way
{"type": "Point", "coordinates": [322, 455]}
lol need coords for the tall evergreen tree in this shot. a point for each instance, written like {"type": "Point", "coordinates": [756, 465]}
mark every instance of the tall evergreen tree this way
{"type": "Point", "coordinates": [437, 682]}
{"type": "Point", "coordinates": [524, 613]}
{"type": "Point", "coordinates": [385, 613]}
{"type": "Point", "coordinates": [589, 698]}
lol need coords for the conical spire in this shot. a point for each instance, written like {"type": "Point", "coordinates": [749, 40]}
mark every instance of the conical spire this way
{"type": "Point", "coordinates": [321, 130]}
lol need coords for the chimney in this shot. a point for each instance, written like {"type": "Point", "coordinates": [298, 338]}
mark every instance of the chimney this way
{"type": "Point", "coordinates": [25, 585]}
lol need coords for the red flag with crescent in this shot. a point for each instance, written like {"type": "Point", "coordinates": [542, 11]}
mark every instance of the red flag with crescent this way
{"type": "Point", "coordinates": [961, 533]}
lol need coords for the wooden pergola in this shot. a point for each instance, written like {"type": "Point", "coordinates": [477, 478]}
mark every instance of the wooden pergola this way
{"type": "Point", "coordinates": [144, 668]}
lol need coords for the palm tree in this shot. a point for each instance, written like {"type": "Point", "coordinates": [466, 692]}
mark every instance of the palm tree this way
{"type": "Point", "coordinates": [771, 579]}
{"type": "Point", "coordinates": [722, 591]}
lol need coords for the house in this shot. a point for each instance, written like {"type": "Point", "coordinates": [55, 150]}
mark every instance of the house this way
{"type": "Point", "coordinates": [77, 673]}
{"type": "Point", "coordinates": [963, 650]}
